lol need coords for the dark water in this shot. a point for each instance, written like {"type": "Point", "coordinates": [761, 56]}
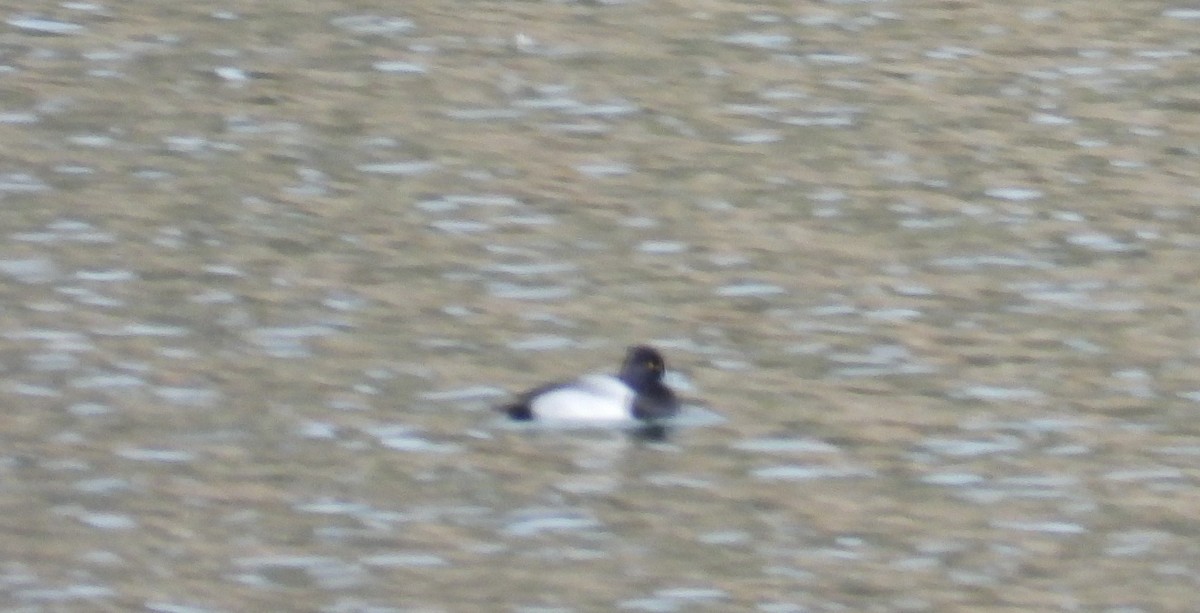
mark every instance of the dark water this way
{"type": "Point", "coordinates": [925, 272]}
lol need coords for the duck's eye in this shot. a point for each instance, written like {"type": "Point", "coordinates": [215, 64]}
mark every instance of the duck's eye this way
{"type": "Point", "coordinates": [652, 365]}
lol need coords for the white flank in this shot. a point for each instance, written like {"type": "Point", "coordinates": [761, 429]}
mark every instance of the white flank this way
{"type": "Point", "coordinates": [589, 399]}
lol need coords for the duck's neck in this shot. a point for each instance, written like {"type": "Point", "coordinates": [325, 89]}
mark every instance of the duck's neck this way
{"type": "Point", "coordinates": [641, 381]}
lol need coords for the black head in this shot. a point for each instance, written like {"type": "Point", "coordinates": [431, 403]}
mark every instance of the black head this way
{"type": "Point", "coordinates": [643, 368]}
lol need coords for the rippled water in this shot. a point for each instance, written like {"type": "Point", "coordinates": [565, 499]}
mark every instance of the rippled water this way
{"type": "Point", "coordinates": [924, 273]}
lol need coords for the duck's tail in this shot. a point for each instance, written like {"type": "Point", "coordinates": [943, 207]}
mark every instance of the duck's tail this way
{"type": "Point", "coordinates": [519, 411]}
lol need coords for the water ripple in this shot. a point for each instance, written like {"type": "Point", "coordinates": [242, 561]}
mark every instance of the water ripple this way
{"type": "Point", "coordinates": [807, 472]}
{"type": "Point", "coordinates": [971, 448]}
{"type": "Point", "coordinates": [529, 292]}
{"type": "Point", "coordinates": [31, 270]}
{"type": "Point", "coordinates": [36, 25]}
{"type": "Point", "coordinates": [402, 169]}
{"type": "Point", "coordinates": [1049, 527]}
{"type": "Point", "coordinates": [373, 24]}
{"type": "Point", "coordinates": [533, 522]}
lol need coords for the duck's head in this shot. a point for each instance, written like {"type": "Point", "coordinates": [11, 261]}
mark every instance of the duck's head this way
{"type": "Point", "coordinates": [643, 367]}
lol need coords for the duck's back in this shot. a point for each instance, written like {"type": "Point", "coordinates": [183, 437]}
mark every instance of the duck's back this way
{"type": "Point", "coordinates": [589, 398]}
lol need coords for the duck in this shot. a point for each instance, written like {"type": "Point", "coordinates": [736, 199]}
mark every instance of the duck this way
{"type": "Point", "coordinates": [636, 394]}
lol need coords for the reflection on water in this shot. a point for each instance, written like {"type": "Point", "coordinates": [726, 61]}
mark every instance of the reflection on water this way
{"type": "Point", "coordinates": [926, 285]}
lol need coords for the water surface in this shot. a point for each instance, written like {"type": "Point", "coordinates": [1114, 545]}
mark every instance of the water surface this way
{"type": "Point", "coordinates": [924, 272]}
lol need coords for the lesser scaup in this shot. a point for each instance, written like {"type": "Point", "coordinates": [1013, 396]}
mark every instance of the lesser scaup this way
{"type": "Point", "coordinates": [636, 393]}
